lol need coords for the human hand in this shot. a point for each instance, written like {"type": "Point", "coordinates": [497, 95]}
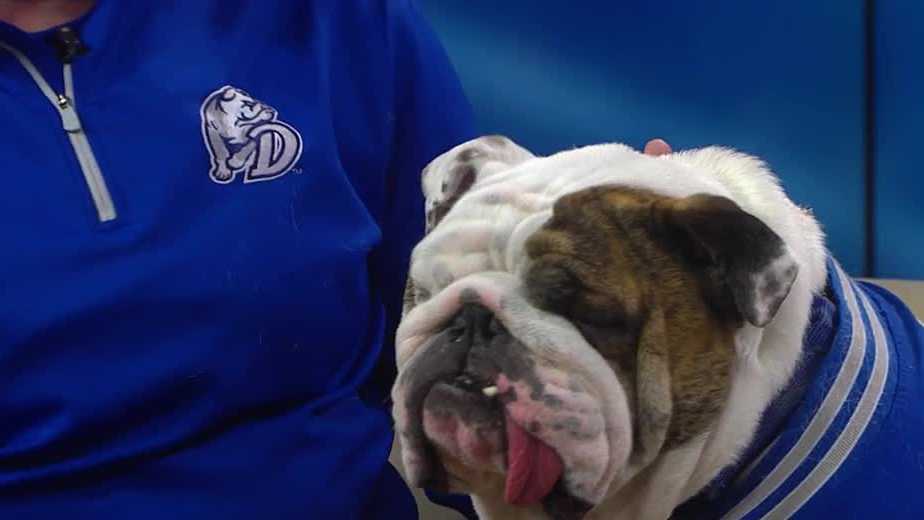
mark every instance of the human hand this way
{"type": "Point", "coordinates": [657, 147]}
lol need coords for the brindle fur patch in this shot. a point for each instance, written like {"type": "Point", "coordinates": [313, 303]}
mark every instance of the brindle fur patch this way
{"type": "Point", "coordinates": [602, 262]}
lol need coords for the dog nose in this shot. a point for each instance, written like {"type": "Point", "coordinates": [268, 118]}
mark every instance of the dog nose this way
{"type": "Point", "coordinates": [479, 323]}
{"type": "Point", "coordinates": [475, 331]}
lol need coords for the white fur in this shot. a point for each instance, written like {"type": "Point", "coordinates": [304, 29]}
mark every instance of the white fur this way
{"type": "Point", "coordinates": [654, 492]}
{"type": "Point", "coordinates": [766, 356]}
{"type": "Point", "coordinates": [561, 353]}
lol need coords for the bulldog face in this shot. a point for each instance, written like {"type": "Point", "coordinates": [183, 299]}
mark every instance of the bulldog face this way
{"type": "Point", "coordinates": [658, 286]}
{"type": "Point", "coordinates": [543, 383]}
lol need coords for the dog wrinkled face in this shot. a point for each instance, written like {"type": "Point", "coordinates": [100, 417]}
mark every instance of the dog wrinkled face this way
{"type": "Point", "coordinates": [659, 286]}
{"type": "Point", "coordinates": [644, 303]}
{"type": "Point", "coordinates": [547, 387]}
{"type": "Point", "coordinates": [492, 417]}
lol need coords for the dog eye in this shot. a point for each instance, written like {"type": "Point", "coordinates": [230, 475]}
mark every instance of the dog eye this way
{"type": "Point", "coordinates": [604, 338]}
{"type": "Point", "coordinates": [420, 294]}
{"type": "Point", "coordinates": [551, 287]}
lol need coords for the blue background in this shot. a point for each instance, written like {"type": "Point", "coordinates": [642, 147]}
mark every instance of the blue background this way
{"type": "Point", "coordinates": [785, 80]}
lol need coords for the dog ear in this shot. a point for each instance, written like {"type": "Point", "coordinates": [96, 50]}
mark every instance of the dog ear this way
{"type": "Point", "coordinates": [455, 181]}
{"type": "Point", "coordinates": [653, 398]}
{"type": "Point", "coordinates": [453, 173]}
{"type": "Point", "coordinates": [450, 175]}
{"type": "Point", "coordinates": [739, 254]}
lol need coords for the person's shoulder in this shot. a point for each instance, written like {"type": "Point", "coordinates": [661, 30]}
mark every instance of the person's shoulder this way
{"type": "Point", "coordinates": [354, 16]}
{"type": "Point", "coordinates": [370, 10]}
{"type": "Point", "coordinates": [374, 9]}
{"type": "Point", "coordinates": [378, 26]}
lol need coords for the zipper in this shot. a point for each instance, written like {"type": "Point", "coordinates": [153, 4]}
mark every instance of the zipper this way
{"type": "Point", "coordinates": [65, 104]}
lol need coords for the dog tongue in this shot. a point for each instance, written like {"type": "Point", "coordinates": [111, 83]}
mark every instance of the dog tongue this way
{"type": "Point", "coordinates": [532, 467]}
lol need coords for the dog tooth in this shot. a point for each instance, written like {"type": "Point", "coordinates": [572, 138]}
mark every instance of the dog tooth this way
{"type": "Point", "coordinates": [489, 391]}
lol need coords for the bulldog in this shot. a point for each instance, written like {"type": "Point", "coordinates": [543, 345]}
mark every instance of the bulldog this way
{"type": "Point", "coordinates": [605, 334]}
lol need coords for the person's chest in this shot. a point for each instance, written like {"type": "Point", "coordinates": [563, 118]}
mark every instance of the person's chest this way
{"type": "Point", "coordinates": [238, 214]}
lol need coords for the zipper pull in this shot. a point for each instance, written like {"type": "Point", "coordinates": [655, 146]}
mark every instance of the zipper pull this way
{"type": "Point", "coordinates": [69, 119]}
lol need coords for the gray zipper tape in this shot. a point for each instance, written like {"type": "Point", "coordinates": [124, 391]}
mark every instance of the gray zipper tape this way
{"type": "Point", "coordinates": [66, 106]}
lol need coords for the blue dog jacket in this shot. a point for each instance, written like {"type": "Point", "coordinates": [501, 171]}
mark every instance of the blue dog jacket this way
{"type": "Point", "coordinates": [853, 445]}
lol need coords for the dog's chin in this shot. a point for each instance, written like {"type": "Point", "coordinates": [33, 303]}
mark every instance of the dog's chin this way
{"type": "Point", "coordinates": [481, 450]}
{"type": "Point", "coordinates": [497, 422]}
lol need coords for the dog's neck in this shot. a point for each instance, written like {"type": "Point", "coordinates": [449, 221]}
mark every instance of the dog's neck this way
{"type": "Point", "coordinates": [818, 339]}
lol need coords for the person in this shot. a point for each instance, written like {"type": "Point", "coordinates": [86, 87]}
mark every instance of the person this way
{"type": "Point", "coordinates": [207, 217]}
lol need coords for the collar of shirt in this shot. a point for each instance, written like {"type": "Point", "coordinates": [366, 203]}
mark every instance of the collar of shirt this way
{"type": "Point", "coordinates": [838, 380]}
{"type": "Point", "coordinates": [97, 29]}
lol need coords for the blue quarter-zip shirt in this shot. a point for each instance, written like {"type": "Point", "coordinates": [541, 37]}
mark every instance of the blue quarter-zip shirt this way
{"type": "Point", "coordinates": [204, 242]}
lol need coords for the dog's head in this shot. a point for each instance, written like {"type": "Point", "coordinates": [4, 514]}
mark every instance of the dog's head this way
{"type": "Point", "coordinates": [576, 318]}
{"type": "Point", "coordinates": [233, 113]}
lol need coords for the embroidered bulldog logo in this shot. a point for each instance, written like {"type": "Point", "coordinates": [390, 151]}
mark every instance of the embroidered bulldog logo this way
{"type": "Point", "coordinates": [244, 136]}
